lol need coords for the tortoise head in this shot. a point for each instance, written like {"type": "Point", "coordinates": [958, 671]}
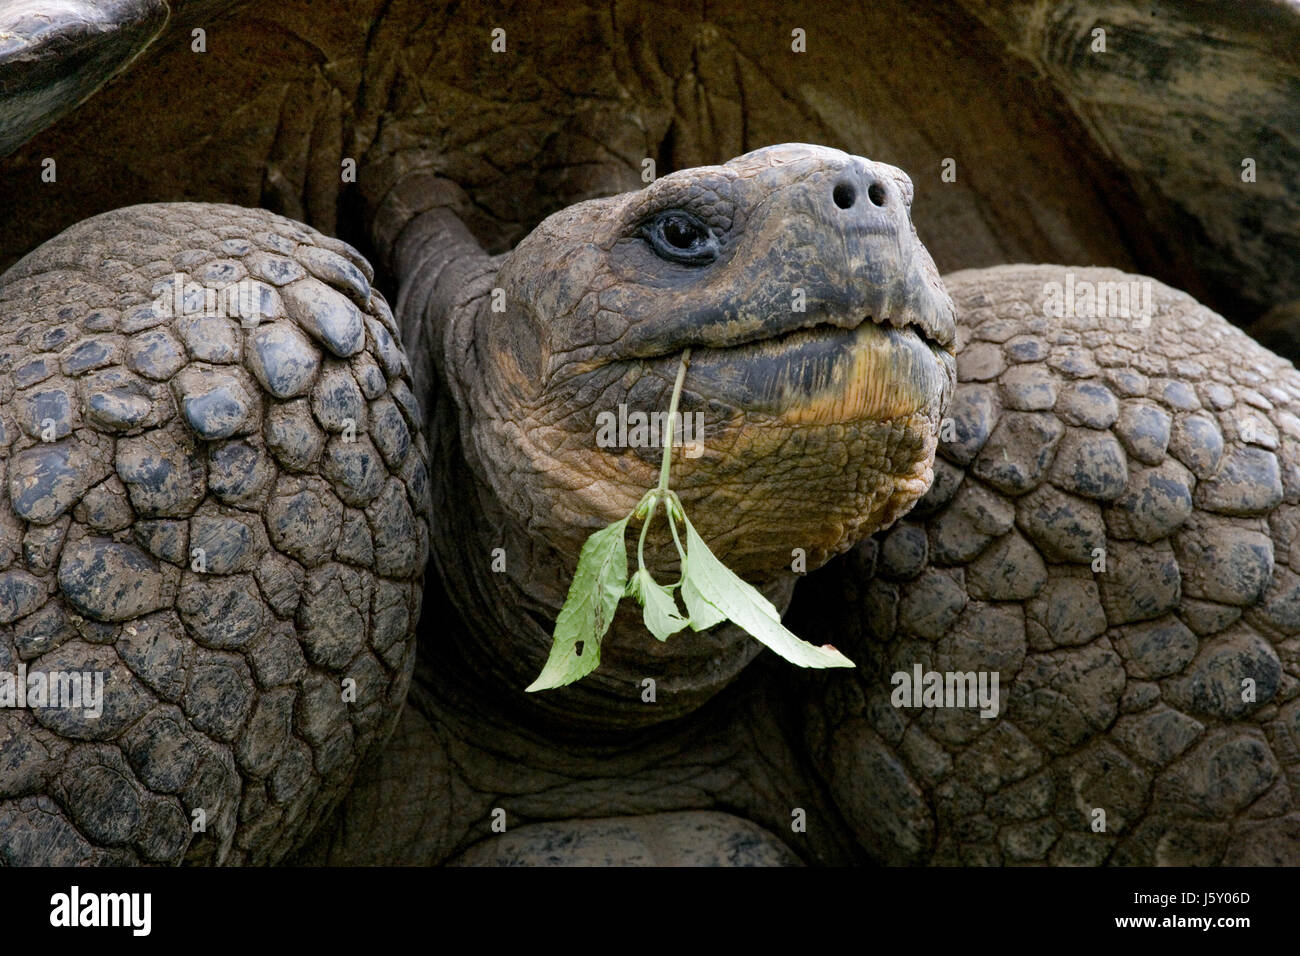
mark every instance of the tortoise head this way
{"type": "Point", "coordinates": [821, 357]}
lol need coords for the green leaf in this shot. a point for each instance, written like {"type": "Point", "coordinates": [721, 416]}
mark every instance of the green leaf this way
{"type": "Point", "coordinates": [700, 613]}
{"type": "Point", "coordinates": [588, 610]}
{"type": "Point", "coordinates": [703, 615]}
{"type": "Point", "coordinates": [659, 610]}
{"type": "Point", "coordinates": [709, 580]}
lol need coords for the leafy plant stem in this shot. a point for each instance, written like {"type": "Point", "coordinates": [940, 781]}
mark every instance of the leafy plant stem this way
{"type": "Point", "coordinates": [672, 507]}
{"type": "Point", "coordinates": [662, 489]}
{"type": "Point", "coordinates": [661, 493]}
{"type": "Point", "coordinates": [645, 527]}
{"type": "Point", "coordinates": [711, 592]}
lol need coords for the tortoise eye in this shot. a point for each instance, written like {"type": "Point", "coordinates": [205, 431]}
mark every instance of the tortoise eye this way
{"type": "Point", "coordinates": [679, 237]}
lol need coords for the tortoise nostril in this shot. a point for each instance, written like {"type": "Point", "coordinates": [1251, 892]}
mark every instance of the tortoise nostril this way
{"type": "Point", "coordinates": [844, 195]}
{"type": "Point", "coordinates": [876, 193]}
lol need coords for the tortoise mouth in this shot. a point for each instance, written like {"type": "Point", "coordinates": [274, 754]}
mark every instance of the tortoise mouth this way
{"type": "Point", "coordinates": [826, 374]}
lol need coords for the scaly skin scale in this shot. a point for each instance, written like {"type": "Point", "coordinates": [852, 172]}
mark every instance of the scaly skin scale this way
{"type": "Point", "coordinates": [1121, 687]}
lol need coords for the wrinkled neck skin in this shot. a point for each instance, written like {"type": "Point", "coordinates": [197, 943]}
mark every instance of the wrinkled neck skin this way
{"type": "Point", "coordinates": [498, 573]}
{"type": "Point", "coordinates": [506, 583]}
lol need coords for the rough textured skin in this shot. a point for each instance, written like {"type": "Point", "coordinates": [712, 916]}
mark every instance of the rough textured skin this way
{"type": "Point", "coordinates": [586, 289]}
{"type": "Point", "coordinates": [1154, 103]}
{"type": "Point", "coordinates": [459, 755]}
{"type": "Point", "coordinates": [698, 838]}
{"type": "Point", "coordinates": [1168, 453]}
{"type": "Point", "coordinates": [1010, 90]}
{"type": "Point", "coordinates": [819, 421]}
{"type": "Point", "coordinates": [183, 507]}
{"type": "Point", "coordinates": [1174, 449]}
{"type": "Point", "coordinates": [1121, 689]}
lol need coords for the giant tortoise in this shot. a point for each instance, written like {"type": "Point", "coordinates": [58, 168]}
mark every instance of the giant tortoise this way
{"type": "Point", "coordinates": [316, 546]}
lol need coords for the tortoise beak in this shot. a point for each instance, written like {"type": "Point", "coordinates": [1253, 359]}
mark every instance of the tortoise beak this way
{"type": "Point", "coordinates": [828, 375]}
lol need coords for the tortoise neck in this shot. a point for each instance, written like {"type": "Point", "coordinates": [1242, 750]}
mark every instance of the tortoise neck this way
{"type": "Point", "coordinates": [496, 580]}
{"type": "Point", "coordinates": [439, 266]}
{"type": "Point", "coordinates": [494, 589]}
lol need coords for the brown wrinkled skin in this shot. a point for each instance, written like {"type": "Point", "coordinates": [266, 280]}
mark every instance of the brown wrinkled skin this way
{"type": "Point", "coordinates": [588, 308]}
{"type": "Point", "coordinates": [1062, 154]}
{"type": "Point", "coordinates": [1121, 690]}
{"type": "Point", "coordinates": [191, 432]}
{"type": "Point", "coordinates": [226, 734]}
{"type": "Point", "coordinates": [1170, 451]}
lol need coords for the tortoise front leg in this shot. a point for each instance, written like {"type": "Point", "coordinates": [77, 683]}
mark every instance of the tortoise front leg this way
{"type": "Point", "coordinates": [215, 500]}
{"type": "Point", "coordinates": [1111, 532]}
